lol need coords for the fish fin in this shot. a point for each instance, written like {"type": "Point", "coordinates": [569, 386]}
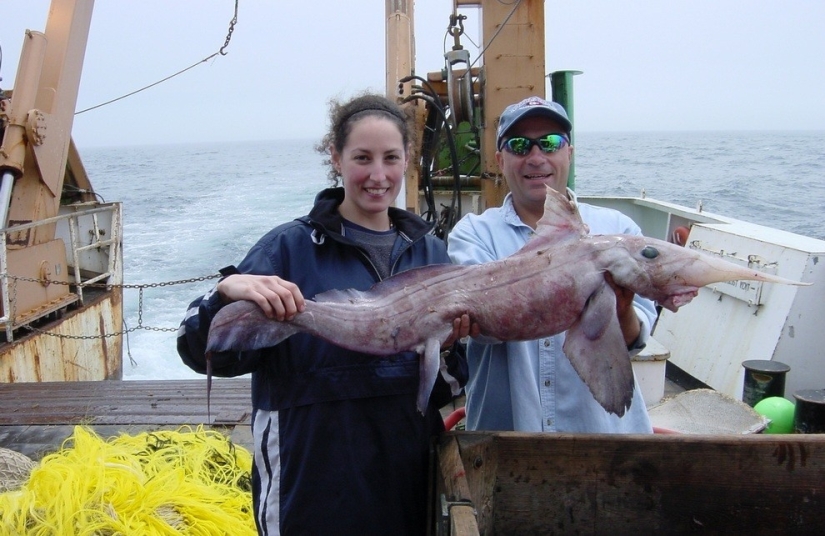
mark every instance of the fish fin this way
{"type": "Point", "coordinates": [242, 325]}
{"type": "Point", "coordinates": [561, 220]}
{"type": "Point", "coordinates": [428, 372]}
{"type": "Point", "coordinates": [595, 347]}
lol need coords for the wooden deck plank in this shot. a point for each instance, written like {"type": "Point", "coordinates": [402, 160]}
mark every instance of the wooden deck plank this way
{"type": "Point", "coordinates": [35, 418]}
{"type": "Point", "coordinates": [123, 402]}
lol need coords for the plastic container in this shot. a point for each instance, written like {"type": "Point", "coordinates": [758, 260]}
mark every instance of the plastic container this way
{"type": "Point", "coordinates": [763, 379]}
{"type": "Point", "coordinates": [809, 416]}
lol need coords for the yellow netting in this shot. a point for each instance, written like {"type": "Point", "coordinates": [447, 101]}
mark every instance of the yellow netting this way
{"type": "Point", "coordinates": [156, 483]}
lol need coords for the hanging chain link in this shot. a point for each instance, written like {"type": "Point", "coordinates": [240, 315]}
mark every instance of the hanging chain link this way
{"type": "Point", "coordinates": [139, 287]}
{"type": "Point", "coordinates": [221, 51]}
{"type": "Point", "coordinates": [232, 24]}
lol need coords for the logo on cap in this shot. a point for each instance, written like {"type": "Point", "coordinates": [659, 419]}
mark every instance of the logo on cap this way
{"type": "Point", "coordinates": [533, 101]}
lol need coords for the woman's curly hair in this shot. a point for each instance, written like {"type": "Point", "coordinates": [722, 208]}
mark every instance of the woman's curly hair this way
{"type": "Point", "coordinates": [344, 115]}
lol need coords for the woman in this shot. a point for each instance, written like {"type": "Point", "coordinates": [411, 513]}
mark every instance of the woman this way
{"type": "Point", "coordinates": [339, 445]}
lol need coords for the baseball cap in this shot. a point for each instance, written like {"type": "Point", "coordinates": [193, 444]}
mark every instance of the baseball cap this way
{"type": "Point", "coordinates": [528, 107]}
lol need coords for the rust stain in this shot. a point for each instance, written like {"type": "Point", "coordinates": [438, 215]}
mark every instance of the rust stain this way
{"type": "Point", "coordinates": [37, 366]}
{"type": "Point", "coordinates": [803, 455]}
{"type": "Point", "coordinates": [785, 454]}
{"type": "Point", "coordinates": [37, 358]}
{"type": "Point", "coordinates": [104, 346]}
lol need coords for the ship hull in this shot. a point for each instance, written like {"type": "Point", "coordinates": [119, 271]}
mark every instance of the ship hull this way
{"type": "Point", "coordinates": [82, 345]}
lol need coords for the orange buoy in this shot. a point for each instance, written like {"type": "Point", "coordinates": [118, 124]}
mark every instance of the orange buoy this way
{"type": "Point", "coordinates": [680, 236]}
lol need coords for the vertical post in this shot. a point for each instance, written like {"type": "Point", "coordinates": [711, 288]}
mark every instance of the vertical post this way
{"type": "Point", "coordinates": [5, 285]}
{"type": "Point", "coordinates": [513, 34]}
{"type": "Point", "coordinates": [400, 47]}
{"type": "Point", "coordinates": [13, 143]}
{"type": "Point", "coordinates": [400, 63]}
{"type": "Point", "coordinates": [44, 100]}
{"type": "Point", "coordinates": [561, 84]}
{"type": "Point", "coordinates": [73, 236]}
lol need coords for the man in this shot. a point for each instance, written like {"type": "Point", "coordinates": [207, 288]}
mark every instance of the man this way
{"type": "Point", "coordinates": [530, 385]}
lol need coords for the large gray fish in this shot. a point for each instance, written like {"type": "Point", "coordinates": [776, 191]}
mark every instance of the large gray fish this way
{"type": "Point", "coordinates": [554, 283]}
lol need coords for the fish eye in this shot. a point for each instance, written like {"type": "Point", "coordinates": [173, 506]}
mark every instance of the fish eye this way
{"type": "Point", "coordinates": [649, 252]}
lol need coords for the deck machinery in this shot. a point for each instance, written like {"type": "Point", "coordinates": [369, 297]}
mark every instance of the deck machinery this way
{"type": "Point", "coordinates": [60, 249]}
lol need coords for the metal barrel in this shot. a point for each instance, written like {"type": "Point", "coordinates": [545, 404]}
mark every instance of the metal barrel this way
{"type": "Point", "coordinates": [763, 379]}
{"type": "Point", "coordinates": [809, 414]}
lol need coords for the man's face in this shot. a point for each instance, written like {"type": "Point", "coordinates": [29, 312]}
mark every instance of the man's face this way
{"type": "Point", "coordinates": [528, 175]}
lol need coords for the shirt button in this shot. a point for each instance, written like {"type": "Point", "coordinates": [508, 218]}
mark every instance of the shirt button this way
{"type": "Point", "coordinates": [546, 342]}
{"type": "Point", "coordinates": [547, 383]}
{"type": "Point", "coordinates": [549, 422]}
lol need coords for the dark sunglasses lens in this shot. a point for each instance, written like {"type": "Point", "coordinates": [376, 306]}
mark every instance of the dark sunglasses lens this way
{"type": "Point", "coordinates": [519, 146]}
{"type": "Point", "coordinates": [551, 143]}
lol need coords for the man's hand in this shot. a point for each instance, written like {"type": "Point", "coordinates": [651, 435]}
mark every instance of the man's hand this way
{"type": "Point", "coordinates": [628, 320]}
{"type": "Point", "coordinates": [462, 327]}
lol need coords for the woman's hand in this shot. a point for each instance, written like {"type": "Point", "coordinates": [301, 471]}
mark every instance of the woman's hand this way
{"type": "Point", "coordinates": [278, 298]}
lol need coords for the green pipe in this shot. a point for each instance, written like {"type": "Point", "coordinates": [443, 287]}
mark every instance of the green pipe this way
{"type": "Point", "coordinates": [561, 85]}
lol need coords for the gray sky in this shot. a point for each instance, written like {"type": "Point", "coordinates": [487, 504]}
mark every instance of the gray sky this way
{"type": "Point", "coordinates": [649, 65]}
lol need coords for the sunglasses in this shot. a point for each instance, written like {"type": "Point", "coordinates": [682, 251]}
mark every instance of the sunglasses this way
{"type": "Point", "coordinates": [549, 143]}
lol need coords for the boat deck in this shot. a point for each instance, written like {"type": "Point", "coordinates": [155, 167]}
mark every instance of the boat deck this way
{"type": "Point", "coordinates": [37, 417]}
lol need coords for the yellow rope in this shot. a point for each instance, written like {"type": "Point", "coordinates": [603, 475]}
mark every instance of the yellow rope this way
{"type": "Point", "coordinates": [193, 482]}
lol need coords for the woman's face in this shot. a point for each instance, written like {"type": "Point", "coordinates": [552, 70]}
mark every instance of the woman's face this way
{"type": "Point", "coordinates": [372, 165]}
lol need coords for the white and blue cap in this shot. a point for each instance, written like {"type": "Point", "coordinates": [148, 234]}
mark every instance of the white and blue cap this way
{"type": "Point", "coordinates": [529, 107]}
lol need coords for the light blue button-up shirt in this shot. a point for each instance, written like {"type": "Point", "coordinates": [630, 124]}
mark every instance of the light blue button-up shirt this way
{"type": "Point", "coordinates": [530, 386]}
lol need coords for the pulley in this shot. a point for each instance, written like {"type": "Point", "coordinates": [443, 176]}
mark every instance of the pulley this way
{"type": "Point", "coordinates": [459, 80]}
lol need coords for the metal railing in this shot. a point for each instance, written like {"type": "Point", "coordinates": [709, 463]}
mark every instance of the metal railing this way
{"type": "Point", "coordinates": [95, 260]}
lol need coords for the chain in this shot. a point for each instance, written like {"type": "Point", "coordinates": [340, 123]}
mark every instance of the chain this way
{"type": "Point", "coordinates": [139, 287]}
{"type": "Point", "coordinates": [204, 60]}
{"type": "Point", "coordinates": [46, 282]}
{"type": "Point", "coordinates": [232, 24]}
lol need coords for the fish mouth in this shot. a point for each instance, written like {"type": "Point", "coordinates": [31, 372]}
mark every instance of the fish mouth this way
{"type": "Point", "coordinates": [678, 299]}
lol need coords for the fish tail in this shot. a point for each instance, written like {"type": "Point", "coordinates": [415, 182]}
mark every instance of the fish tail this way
{"type": "Point", "coordinates": [242, 325]}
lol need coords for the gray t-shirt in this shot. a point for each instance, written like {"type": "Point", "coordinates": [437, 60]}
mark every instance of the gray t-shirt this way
{"type": "Point", "coordinates": [378, 244]}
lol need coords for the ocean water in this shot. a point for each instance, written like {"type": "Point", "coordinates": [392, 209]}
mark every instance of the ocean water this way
{"type": "Point", "coordinates": [190, 210]}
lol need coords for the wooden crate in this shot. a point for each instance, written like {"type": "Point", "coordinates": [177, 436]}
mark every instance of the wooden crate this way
{"type": "Point", "coordinates": [516, 483]}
